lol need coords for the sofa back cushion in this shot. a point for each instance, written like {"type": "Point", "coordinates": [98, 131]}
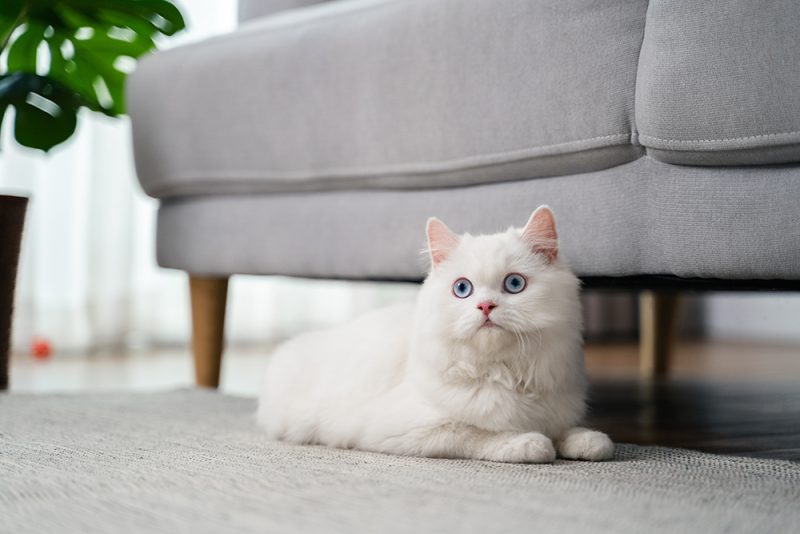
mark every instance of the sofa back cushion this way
{"type": "Point", "coordinates": [392, 93]}
{"type": "Point", "coordinates": [718, 82]}
{"type": "Point", "coordinates": [253, 9]}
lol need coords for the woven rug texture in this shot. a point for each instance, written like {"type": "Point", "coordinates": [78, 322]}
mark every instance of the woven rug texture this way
{"type": "Point", "coordinates": [193, 461]}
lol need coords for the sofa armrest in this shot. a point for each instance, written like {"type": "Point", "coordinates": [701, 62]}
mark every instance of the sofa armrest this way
{"type": "Point", "coordinates": [253, 9]}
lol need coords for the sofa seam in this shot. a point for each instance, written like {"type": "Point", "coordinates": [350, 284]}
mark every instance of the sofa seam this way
{"type": "Point", "coordinates": [429, 167]}
{"type": "Point", "coordinates": [646, 235]}
{"type": "Point", "coordinates": [635, 135]}
{"type": "Point", "coordinates": [744, 138]}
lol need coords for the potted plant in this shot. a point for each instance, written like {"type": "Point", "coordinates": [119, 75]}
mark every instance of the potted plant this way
{"type": "Point", "coordinates": [57, 57]}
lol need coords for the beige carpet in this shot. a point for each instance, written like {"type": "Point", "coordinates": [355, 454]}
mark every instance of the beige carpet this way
{"type": "Point", "coordinates": [192, 461]}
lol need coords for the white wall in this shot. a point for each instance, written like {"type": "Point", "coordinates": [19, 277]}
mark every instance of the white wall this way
{"type": "Point", "coordinates": [767, 317]}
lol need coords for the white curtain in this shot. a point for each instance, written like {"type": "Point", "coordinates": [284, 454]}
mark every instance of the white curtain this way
{"type": "Point", "coordinates": [88, 278]}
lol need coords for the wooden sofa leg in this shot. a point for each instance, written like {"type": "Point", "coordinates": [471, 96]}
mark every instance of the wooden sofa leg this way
{"type": "Point", "coordinates": [209, 295]}
{"type": "Point", "coordinates": [657, 324]}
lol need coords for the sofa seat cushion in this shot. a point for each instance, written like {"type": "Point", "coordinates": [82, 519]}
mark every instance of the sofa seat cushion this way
{"type": "Point", "coordinates": [391, 93]}
{"type": "Point", "coordinates": [718, 82]}
{"type": "Point", "coordinates": [643, 217]}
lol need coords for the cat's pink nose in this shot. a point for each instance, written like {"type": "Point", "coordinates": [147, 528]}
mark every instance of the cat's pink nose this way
{"type": "Point", "coordinates": [486, 307]}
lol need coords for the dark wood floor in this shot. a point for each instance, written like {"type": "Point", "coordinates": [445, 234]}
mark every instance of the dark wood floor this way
{"type": "Point", "coordinates": [727, 399]}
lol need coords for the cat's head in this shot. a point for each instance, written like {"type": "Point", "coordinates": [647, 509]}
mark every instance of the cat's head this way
{"type": "Point", "coordinates": [490, 290]}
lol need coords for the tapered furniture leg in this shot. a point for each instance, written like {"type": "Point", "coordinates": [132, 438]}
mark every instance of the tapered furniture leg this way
{"type": "Point", "coordinates": [209, 295]}
{"type": "Point", "coordinates": [657, 323]}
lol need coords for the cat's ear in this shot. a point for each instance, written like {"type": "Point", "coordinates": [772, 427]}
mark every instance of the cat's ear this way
{"type": "Point", "coordinates": [540, 233]}
{"type": "Point", "coordinates": [441, 240]}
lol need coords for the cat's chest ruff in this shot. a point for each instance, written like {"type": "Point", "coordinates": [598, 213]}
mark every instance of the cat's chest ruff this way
{"type": "Point", "coordinates": [493, 398]}
{"type": "Point", "coordinates": [487, 389]}
{"type": "Point", "coordinates": [496, 376]}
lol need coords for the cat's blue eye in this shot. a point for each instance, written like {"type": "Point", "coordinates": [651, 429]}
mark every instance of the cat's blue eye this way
{"type": "Point", "coordinates": [462, 288]}
{"type": "Point", "coordinates": [514, 283]}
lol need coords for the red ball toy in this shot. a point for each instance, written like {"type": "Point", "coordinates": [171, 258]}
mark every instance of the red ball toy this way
{"type": "Point", "coordinates": [41, 348]}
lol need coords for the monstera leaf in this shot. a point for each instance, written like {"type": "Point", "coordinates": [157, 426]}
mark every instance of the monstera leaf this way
{"type": "Point", "coordinates": [62, 55]}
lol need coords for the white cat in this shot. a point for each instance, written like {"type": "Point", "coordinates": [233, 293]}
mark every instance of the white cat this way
{"type": "Point", "coordinates": [487, 364]}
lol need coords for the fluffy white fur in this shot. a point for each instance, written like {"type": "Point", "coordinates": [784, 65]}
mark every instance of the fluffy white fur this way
{"type": "Point", "coordinates": [432, 378]}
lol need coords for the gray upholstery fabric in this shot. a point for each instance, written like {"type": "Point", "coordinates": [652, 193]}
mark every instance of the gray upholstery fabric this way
{"type": "Point", "coordinates": [387, 93]}
{"type": "Point", "coordinates": [716, 77]}
{"type": "Point", "coordinates": [253, 9]}
{"type": "Point", "coordinates": [742, 156]}
{"type": "Point", "coordinates": [643, 217]}
{"type": "Point", "coordinates": [192, 461]}
{"type": "Point", "coordinates": [391, 101]}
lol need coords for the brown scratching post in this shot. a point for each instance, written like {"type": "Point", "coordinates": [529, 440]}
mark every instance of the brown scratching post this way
{"type": "Point", "coordinates": [209, 295]}
{"type": "Point", "coordinates": [657, 324]}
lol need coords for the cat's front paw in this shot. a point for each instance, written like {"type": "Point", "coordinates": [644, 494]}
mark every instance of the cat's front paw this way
{"type": "Point", "coordinates": [533, 448]}
{"type": "Point", "coordinates": [584, 444]}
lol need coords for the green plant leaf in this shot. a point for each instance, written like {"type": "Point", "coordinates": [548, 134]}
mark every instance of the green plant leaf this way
{"type": "Point", "coordinates": [86, 39]}
{"type": "Point", "coordinates": [161, 15]}
{"type": "Point", "coordinates": [37, 128]}
{"type": "Point", "coordinates": [3, 109]}
{"type": "Point", "coordinates": [22, 54]}
{"type": "Point", "coordinates": [114, 80]}
{"type": "Point", "coordinates": [7, 25]}
{"type": "Point", "coordinates": [46, 112]}
{"type": "Point", "coordinates": [11, 8]}
{"type": "Point", "coordinates": [10, 15]}
{"type": "Point", "coordinates": [102, 43]}
{"type": "Point", "coordinates": [72, 74]}
{"type": "Point", "coordinates": [171, 19]}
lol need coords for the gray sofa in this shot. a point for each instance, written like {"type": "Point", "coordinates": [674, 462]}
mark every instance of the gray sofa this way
{"type": "Point", "coordinates": [316, 139]}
